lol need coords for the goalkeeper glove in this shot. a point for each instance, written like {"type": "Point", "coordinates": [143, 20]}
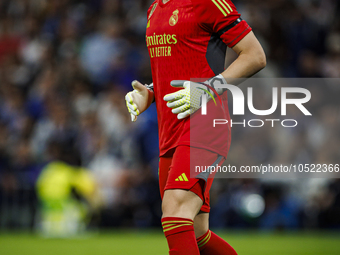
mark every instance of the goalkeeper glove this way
{"type": "Point", "coordinates": [138, 100]}
{"type": "Point", "coordinates": [188, 100]}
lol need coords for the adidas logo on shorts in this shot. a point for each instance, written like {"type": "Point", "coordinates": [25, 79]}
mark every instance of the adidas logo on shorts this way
{"type": "Point", "coordinates": [182, 178]}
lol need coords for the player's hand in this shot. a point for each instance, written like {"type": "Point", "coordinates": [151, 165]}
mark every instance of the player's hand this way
{"type": "Point", "coordinates": [138, 100]}
{"type": "Point", "coordinates": [187, 100]}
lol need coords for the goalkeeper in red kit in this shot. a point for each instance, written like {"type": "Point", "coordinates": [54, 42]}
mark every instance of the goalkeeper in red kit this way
{"type": "Point", "coordinates": [188, 39]}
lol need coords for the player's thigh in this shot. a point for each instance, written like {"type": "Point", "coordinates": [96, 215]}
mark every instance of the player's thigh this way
{"type": "Point", "coordinates": [181, 203]}
{"type": "Point", "coordinates": [201, 224]}
{"type": "Point", "coordinates": [180, 177]}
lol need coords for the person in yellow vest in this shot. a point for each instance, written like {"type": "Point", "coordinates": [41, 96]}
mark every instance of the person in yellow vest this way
{"type": "Point", "coordinates": [67, 194]}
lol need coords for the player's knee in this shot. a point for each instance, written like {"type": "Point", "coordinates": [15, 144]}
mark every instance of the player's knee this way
{"type": "Point", "coordinates": [173, 204]}
{"type": "Point", "coordinates": [180, 203]}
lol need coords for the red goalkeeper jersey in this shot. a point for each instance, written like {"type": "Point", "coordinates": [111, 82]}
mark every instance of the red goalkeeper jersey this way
{"type": "Point", "coordinates": [188, 39]}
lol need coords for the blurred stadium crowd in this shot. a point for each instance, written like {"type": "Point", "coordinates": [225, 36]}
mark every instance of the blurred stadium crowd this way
{"type": "Point", "coordinates": [65, 66]}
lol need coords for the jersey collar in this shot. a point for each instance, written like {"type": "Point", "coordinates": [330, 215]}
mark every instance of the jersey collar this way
{"type": "Point", "coordinates": [161, 4]}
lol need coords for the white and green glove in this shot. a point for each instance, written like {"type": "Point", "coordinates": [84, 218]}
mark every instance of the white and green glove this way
{"type": "Point", "coordinates": [138, 100]}
{"type": "Point", "coordinates": [188, 100]}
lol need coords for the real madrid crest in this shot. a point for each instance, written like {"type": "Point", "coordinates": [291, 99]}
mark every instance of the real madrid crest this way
{"type": "Point", "coordinates": [174, 18]}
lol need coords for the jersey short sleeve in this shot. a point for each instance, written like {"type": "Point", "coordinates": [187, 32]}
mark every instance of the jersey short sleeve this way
{"type": "Point", "coordinates": [221, 17]}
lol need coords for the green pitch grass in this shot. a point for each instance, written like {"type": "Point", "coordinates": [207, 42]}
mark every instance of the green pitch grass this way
{"type": "Point", "coordinates": [153, 243]}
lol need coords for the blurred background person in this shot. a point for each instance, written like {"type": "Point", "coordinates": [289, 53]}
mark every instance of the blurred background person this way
{"type": "Point", "coordinates": [67, 193]}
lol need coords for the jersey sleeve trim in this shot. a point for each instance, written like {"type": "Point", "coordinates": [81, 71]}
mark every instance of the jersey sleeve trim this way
{"type": "Point", "coordinates": [236, 33]}
{"type": "Point", "coordinates": [222, 31]}
{"type": "Point", "coordinates": [240, 37]}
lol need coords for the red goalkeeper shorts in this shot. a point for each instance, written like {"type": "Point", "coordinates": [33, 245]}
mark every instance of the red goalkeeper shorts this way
{"type": "Point", "coordinates": [177, 170]}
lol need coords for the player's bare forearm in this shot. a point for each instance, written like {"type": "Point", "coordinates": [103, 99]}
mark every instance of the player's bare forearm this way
{"type": "Point", "coordinates": [251, 59]}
